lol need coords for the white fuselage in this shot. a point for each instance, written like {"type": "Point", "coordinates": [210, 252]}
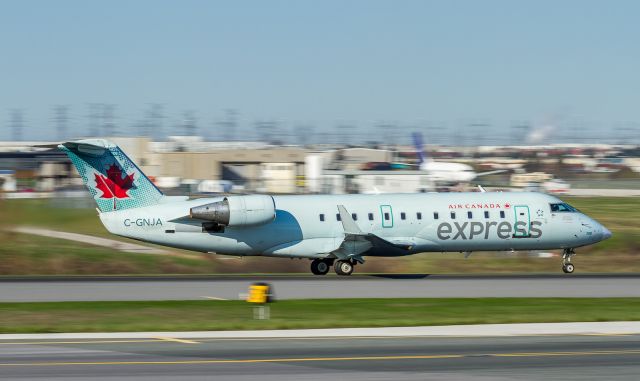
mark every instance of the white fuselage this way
{"type": "Point", "coordinates": [448, 172]}
{"type": "Point", "coordinates": [308, 225]}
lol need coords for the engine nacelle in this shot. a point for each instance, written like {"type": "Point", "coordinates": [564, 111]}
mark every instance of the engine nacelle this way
{"type": "Point", "coordinates": [237, 211]}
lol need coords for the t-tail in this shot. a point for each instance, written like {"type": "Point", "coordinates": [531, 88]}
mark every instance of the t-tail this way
{"type": "Point", "coordinates": [114, 181]}
{"type": "Point", "coordinates": [417, 143]}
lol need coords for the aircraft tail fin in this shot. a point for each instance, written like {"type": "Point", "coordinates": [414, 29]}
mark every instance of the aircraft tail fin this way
{"type": "Point", "coordinates": [115, 182]}
{"type": "Point", "coordinates": [417, 143]}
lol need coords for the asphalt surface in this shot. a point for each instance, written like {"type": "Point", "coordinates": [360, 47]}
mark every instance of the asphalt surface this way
{"type": "Point", "coordinates": [407, 358]}
{"type": "Point", "coordinates": [301, 287]}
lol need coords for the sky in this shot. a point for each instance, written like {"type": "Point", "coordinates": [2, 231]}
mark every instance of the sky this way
{"type": "Point", "coordinates": [323, 63]}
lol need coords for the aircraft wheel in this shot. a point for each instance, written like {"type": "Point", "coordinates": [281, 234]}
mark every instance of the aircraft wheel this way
{"type": "Point", "coordinates": [343, 267]}
{"type": "Point", "coordinates": [568, 268]}
{"type": "Point", "coordinates": [319, 267]}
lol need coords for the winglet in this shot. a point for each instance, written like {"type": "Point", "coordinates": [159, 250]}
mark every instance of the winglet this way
{"type": "Point", "coordinates": [348, 224]}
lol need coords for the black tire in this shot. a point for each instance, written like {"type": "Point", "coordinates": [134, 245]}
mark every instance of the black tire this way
{"type": "Point", "coordinates": [314, 267]}
{"type": "Point", "coordinates": [319, 267]}
{"type": "Point", "coordinates": [568, 268]}
{"type": "Point", "coordinates": [323, 267]}
{"type": "Point", "coordinates": [343, 267]}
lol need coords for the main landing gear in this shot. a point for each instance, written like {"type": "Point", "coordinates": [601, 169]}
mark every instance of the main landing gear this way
{"type": "Point", "coordinates": [567, 266]}
{"type": "Point", "coordinates": [343, 267]}
{"type": "Point", "coordinates": [322, 266]}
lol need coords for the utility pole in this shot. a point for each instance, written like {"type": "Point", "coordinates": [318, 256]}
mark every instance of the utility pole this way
{"type": "Point", "coordinates": [480, 131]}
{"type": "Point", "coordinates": [152, 125]}
{"type": "Point", "coordinates": [94, 119]}
{"type": "Point", "coordinates": [265, 130]}
{"type": "Point", "coordinates": [61, 118]}
{"type": "Point", "coordinates": [156, 116]}
{"type": "Point", "coordinates": [386, 133]}
{"type": "Point", "coordinates": [16, 123]}
{"type": "Point", "coordinates": [108, 123]}
{"type": "Point", "coordinates": [189, 123]}
{"type": "Point", "coordinates": [229, 124]}
{"type": "Point", "coordinates": [303, 134]}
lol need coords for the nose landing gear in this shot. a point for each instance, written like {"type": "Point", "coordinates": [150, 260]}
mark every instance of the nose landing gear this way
{"type": "Point", "coordinates": [567, 266]}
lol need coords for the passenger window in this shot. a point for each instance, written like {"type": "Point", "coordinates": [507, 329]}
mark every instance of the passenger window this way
{"type": "Point", "coordinates": [386, 216]}
{"type": "Point", "coordinates": [370, 216]}
{"type": "Point", "coordinates": [338, 217]}
{"type": "Point", "coordinates": [354, 216]}
{"type": "Point", "coordinates": [419, 215]}
{"type": "Point", "coordinates": [453, 215]}
{"type": "Point", "coordinates": [403, 216]}
{"type": "Point", "coordinates": [321, 217]}
{"type": "Point", "coordinates": [486, 214]}
{"type": "Point", "coordinates": [435, 215]}
{"type": "Point", "coordinates": [502, 214]}
{"type": "Point", "coordinates": [470, 215]}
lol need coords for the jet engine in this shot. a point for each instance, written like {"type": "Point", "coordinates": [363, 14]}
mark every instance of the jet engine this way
{"type": "Point", "coordinates": [237, 211]}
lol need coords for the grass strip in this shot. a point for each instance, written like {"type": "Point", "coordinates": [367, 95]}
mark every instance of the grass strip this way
{"type": "Point", "coordinates": [318, 313]}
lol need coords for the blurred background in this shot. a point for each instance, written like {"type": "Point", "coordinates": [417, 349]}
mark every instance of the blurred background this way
{"type": "Point", "coordinates": [294, 97]}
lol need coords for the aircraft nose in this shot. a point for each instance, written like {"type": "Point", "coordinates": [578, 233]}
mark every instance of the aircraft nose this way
{"type": "Point", "coordinates": [606, 234]}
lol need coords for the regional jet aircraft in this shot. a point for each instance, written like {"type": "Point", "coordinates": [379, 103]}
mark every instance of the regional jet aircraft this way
{"type": "Point", "coordinates": [330, 230]}
{"type": "Point", "coordinates": [445, 172]}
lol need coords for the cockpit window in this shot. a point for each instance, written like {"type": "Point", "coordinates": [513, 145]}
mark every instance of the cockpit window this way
{"type": "Point", "coordinates": [562, 207]}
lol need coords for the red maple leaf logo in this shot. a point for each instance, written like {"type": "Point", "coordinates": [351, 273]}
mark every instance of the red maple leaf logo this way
{"type": "Point", "coordinates": [114, 185]}
{"type": "Point", "coordinates": [507, 205]}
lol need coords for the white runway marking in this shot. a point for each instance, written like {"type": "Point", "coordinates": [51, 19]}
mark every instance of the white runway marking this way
{"type": "Point", "coordinates": [213, 298]}
{"type": "Point", "coordinates": [183, 341]}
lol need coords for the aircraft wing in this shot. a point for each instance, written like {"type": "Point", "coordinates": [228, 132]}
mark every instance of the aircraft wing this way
{"type": "Point", "coordinates": [357, 242]}
{"type": "Point", "coordinates": [491, 172]}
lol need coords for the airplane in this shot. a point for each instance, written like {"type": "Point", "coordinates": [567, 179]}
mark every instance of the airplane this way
{"type": "Point", "coordinates": [329, 230]}
{"type": "Point", "coordinates": [445, 172]}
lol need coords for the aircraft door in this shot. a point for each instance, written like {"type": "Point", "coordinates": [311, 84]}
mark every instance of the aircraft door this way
{"type": "Point", "coordinates": [386, 216]}
{"type": "Point", "coordinates": [522, 221]}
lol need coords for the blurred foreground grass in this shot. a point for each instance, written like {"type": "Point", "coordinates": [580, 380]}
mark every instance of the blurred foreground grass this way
{"type": "Point", "coordinates": [24, 254]}
{"type": "Point", "coordinates": [292, 314]}
{"type": "Point", "coordinates": [27, 254]}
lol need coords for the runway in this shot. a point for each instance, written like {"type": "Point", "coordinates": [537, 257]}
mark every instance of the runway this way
{"type": "Point", "coordinates": [401, 358]}
{"type": "Point", "coordinates": [309, 287]}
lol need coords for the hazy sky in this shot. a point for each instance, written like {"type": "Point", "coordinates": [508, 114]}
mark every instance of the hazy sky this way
{"type": "Point", "coordinates": [323, 62]}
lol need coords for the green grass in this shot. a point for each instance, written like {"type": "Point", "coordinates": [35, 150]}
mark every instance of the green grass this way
{"type": "Point", "coordinates": [24, 254]}
{"type": "Point", "coordinates": [292, 314]}
{"type": "Point", "coordinates": [43, 213]}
